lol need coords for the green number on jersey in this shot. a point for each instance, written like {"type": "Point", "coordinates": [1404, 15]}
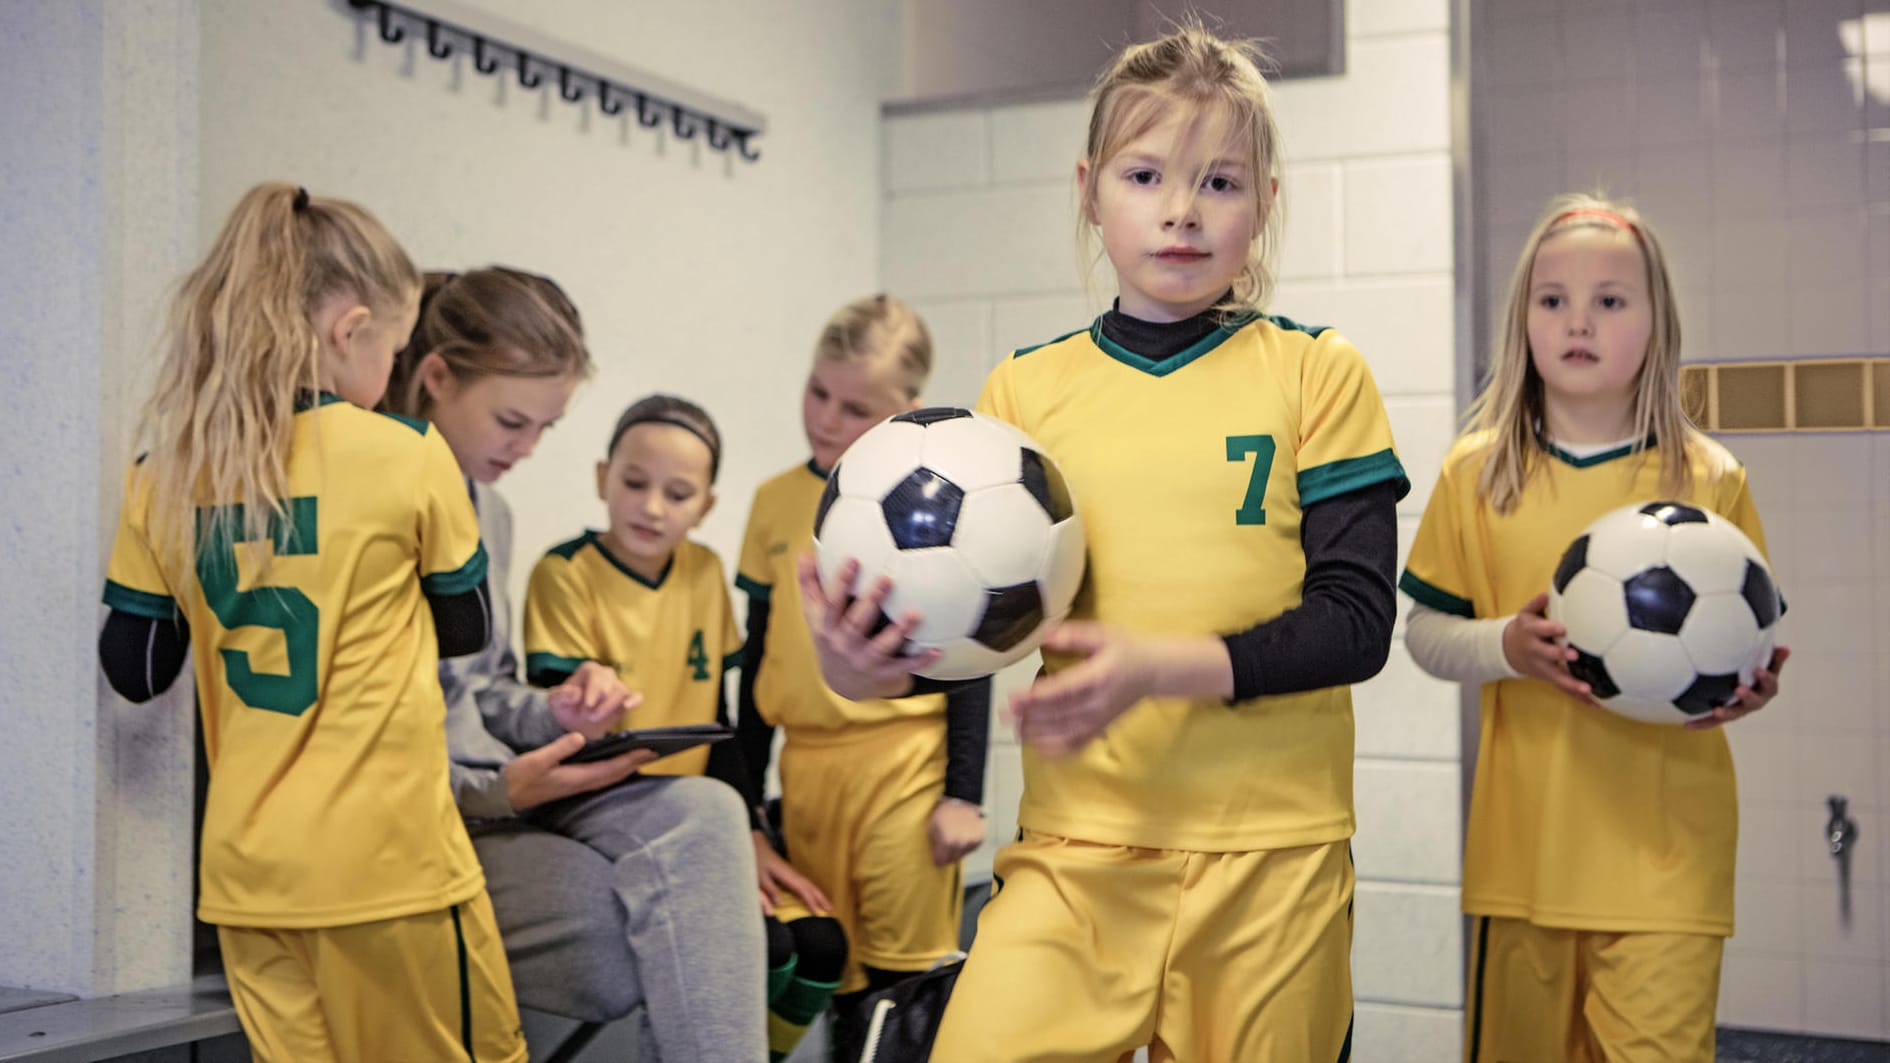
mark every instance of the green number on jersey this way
{"type": "Point", "coordinates": [284, 608]}
{"type": "Point", "coordinates": [698, 657]}
{"type": "Point", "coordinates": [1261, 447]}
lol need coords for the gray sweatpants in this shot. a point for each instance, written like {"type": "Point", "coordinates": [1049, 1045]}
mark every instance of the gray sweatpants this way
{"type": "Point", "coordinates": [644, 892]}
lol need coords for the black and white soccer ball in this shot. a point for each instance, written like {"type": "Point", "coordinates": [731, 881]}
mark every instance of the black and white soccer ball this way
{"type": "Point", "coordinates": [1670, 608]}
{"type": "Point", "coordinates": [973, 523]}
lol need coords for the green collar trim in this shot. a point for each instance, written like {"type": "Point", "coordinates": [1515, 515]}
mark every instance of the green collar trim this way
{"type": "Point", "coordinates": [1205, 345]}
{"type": "Point", "coordinates": [1592, 460]}
{"type": "Point", "coordinates": [596, 539]}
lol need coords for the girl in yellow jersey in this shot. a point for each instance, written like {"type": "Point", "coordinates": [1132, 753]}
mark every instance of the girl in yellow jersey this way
{"type": "Point", "coordinates": [1599, 857]}
{"type": "Point", "coordinates": [880, 797]}
{"type": "Point", "coordinates": [650, 603]}
{"type": "Point", "coordinates": [612, 896]}
{"type": "Point", "coordinates": [1182, 878]}
{"type": "Point", "coordinates": [318, 559]}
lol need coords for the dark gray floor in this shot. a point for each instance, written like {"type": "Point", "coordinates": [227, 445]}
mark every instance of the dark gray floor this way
{"type": "Point", "coordinates": [1748, 1046]}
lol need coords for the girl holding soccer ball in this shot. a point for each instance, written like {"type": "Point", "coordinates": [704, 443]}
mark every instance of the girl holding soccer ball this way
{"type": "Point", "coordinates": [1598, 860]}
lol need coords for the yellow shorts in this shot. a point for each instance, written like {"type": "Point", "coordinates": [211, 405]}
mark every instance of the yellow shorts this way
{"type": "Point", "coordinates": [855, 807]}
{"type": "Point", "coordinates": [1543, 995]}
{"type": "Point", "coordinates": [417, 989]}
{"type": "Point", "coordinates": [1088, 952]}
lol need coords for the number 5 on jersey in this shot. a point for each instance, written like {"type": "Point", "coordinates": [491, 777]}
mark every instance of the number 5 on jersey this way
{"type": "Point", "coordinates": [285, 609]}
{"type": "Point", "coordinates": [1252, 509]}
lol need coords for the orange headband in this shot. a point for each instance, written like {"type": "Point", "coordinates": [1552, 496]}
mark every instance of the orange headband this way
{"type": "Point", "coordinates": [1594, 212]}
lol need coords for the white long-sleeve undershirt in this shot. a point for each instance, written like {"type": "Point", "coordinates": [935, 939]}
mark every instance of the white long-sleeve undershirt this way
{"type": "Point", "coordinates": [1457, 648]}
{"type": "Point", "coordinates": [1466, 650]}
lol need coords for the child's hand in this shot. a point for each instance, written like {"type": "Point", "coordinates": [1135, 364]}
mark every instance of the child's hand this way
{"type": "Point", "coordinates": [591, 701]}
{"type": "Point", "coordinates": [956, 828]}
{"type": "Point", "coordinates": [537, 777]}
{"type": "Point", "coordinates": [856, 663]}
{"type": "Point", "coordinates": [778, 876]}
{"type": "Point", "coordinates": [1746, 700]}
{"type": "Point", "coordinates": [1060, 714]}
{"type": "Point", "coordinates": [1530, 647]}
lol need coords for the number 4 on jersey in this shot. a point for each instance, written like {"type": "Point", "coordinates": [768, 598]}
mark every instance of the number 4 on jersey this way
{"type": "Point", "coordinates": [698, 658]}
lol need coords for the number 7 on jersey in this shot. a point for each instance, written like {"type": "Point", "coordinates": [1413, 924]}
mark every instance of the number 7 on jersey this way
{"type": "Point", "coordinates": [1252, 510]}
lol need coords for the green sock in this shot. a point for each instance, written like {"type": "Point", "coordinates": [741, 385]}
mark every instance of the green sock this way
{"type": "Point", "coordinates": [779, 977]}
{"type": "Point", "coordinates": [789, 1014]}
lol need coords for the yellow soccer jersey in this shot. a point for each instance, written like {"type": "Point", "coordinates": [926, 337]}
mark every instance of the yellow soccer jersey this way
{"type": "Point", "coordinates": [789, 691]}
{"type": "Point", "coordinates": [1579, 818]}
{"type": "Point", "coordinates": [317, 678]}
{"type": "Point", "coordinates": [670, 641]}
{"type": "Point", "coordinates": [1191, 474]}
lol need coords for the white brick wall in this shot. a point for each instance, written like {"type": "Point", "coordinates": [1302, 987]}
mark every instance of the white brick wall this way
{"type": "Point", "coordinates": [979, 232]}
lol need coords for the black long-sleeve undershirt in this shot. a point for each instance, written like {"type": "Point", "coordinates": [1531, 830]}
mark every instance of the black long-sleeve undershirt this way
{"type": "Point", "coordinates": [1340, 633]}
{"type": "Point", "coordinates": [142, 656]}
{"type": "Point", "coordinates": [967, 718]}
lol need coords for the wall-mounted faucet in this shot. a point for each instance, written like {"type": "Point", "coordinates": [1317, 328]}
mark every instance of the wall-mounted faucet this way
{"type": "Point", "coordinates": [1841, 831]}
{"type": "Point", "coordinates": [1840, 834]}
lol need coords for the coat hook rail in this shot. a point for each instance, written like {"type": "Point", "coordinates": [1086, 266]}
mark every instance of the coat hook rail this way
{"type": "Point", "coordinates": [451, 23]}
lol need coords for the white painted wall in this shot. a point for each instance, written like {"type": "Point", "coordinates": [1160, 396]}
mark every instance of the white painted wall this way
{"type": "Point", "coordinates": [1753, 133]}
{"type": "Point", "coordinates": [979, 232]}
{"type": "Point", "coordinates": [98, 179]}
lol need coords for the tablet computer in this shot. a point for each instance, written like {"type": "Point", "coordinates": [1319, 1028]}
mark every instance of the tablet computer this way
{"type": "Point", "coordinates": [661, 740]}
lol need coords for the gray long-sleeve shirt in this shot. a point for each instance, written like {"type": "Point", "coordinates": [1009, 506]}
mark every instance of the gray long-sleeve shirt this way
{"type": "Point", "coordinates": [491, 713]}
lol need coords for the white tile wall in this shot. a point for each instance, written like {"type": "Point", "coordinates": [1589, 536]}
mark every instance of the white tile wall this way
{"type": "Point", "coordinates": [1408, 947]}
{"type": "Point", "coordinates": [985, 246]}
{"type": "Point", "coordinates": [1037, 142]}
{"type": "Point", "coordinates": [1757, 146]}
{"type": "Point", "coordinates": [994, 241]}
{"type": "Point", "coordinates": [1383, 233]}
{"type": "Point", "coordinates": [1377, 18]}
{"type": "Point", "coordinates": [1395, 1033]}
{"type": "Point", "coordinates": [1845, 999]}
{"type": "Point", "coordinates": [961, 345]}
{"type": "Point", "coordinates": [1026, 322]}
{"type": "Point", "coordinates": [1403, 325]}
{"type": "Point", "coordinates": [1314, 218]}
{"type": "Point", "coordinates": [1404, 833]}
{"type": "Point", "coordinates": [1405, 715]}
{"type": "Point", "coordinates": [938, 151]}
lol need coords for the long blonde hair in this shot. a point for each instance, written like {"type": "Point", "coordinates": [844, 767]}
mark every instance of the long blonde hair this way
{"type": "Point", "coordinates": [879, 328]}
{"type": "Point", "coordinates": [1195, 69]}
{"type": "Point", "coordinates": [241, 348]}
{"type": "Point", "coordinates": [1510, 407]}
{"type": "Point", "coordinates": [494, 321]}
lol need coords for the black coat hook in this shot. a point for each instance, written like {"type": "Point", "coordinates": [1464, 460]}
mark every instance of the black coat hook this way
{"type": "Point", "coordinates": [649, 112]}
{"type": "Point", "coordinates": [481, 62]}
{"type": "Point", "coordinates": [390, 33]}
{"type": "Point", "coordinates": [400, 20]}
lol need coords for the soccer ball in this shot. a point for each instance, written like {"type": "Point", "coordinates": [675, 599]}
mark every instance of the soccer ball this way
{"type": "Point", "coordinates": [1669, 607]}
{"type": "Point", "coordinates": [971, 521]}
